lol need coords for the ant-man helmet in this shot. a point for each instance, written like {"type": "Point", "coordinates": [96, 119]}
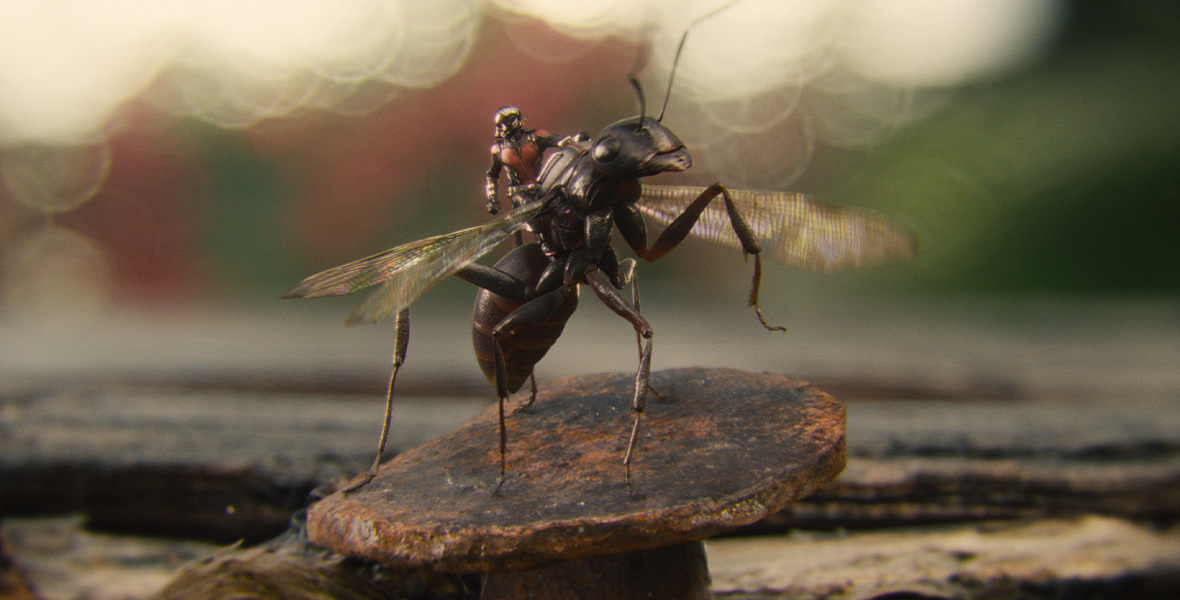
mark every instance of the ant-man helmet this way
{"type": "Point", "coordinates": [508, 119]}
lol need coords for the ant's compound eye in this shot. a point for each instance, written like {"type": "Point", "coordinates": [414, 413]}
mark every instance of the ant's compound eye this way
{"type": "Point", "coordinates": [606, 149]}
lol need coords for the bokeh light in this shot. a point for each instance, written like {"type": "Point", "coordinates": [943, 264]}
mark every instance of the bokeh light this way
{"type": "Point", "coordinates": [55, 279]}
{"type": "Point", "coordinates": [67, 67]}
{"type": "Point", "coordinates": [762, 89]}
{"type": "Point", "coordinates": [54, 179]}
{"type": "Point", "coordinates": [946, 42]}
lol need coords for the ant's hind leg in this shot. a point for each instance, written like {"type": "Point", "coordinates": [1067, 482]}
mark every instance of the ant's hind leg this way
{"type": "Point", "coordinates": [532, 393]}
{"type": "Point", "coordinates": [502, 393]}
{"type": "Point", "coordinates": [533, 311]}
{"type": "Point", "coordinates": [402, 342]}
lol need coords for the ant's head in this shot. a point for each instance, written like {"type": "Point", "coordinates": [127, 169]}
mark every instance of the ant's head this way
{"type": "Point", "coordinates": [638, 147]}
{"type": "Point", "coordinates": [642, 146]}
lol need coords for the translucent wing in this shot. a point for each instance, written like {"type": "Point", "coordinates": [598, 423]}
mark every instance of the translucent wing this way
{"type": "Point", "coordinates": [791, 227]}
{"type": "Point", "coordinates": [407, 271]}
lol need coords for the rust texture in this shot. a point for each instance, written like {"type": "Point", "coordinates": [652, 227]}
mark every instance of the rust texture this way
{"type": "Point", "coordinates": [721, 449]}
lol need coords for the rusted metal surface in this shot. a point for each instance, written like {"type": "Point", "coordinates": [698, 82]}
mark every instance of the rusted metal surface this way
{"type": "Point", "coordinates": [721, 449]}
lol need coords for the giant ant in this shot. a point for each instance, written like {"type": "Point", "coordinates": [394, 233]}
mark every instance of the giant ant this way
{"type": "Point", "coordinates": [582, 194]}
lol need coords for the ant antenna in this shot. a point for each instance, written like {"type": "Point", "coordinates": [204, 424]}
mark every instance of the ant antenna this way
{"type": "Point", "coordinates": [679, 48]}
{"type": "Point", "coordinates": [642, 102]}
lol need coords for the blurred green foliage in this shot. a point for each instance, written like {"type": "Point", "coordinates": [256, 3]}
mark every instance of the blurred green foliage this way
{"type": "Point", "coordinates": [1066, 179]}
{"type": "Point", "coordinates": [1061, 178]}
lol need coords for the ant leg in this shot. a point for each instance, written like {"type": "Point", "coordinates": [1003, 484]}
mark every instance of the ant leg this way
{"type": "Point", "coordinates": [402, 337]}
{"type": "Point", "coordinates": [502, 284]}
{"type": "Point", "coordinates": [502, 394]}
{"type": "Point", "coordinates": [494, 280]}
{"type": "Point", "coordinates": [628, 276]}
{"type": "Point", "coordinates": [679, 228]}
{"type": "Point", "coordinates": [642, 379]}
{"type": "Point", "coordinates": [532, 393]}
{"type": "Point", "coordinates": [611, 298]}
{"type": "Point", "coordinates": [533, 311]}
{"type": "Point", "coordinates": [621, 273]}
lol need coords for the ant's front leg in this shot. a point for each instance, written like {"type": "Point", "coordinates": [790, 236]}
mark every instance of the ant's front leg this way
{"type": "Point", "coordinates": [675, 233]}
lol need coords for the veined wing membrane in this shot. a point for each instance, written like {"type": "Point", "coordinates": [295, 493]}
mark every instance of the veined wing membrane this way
{"type": "Point", "coordinates": [407, 271]}
{"type": "Point", "coordinates": [791, 227]}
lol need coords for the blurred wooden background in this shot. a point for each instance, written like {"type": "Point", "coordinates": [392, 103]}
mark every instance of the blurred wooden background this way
{"type": "Point", "coordinates": [981, 434]}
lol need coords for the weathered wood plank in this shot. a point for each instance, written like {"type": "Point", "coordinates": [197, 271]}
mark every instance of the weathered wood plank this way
{"type": "Point", "coordinates": [956, 412]}
{"type": "Point", "coordinates": [60, 559]}
{"type": "Point", "coordinates": [220, 460]}
{"type": "Point", "coordinates": [208, 464]}
{"type": "Point", "coordinates": [1090, 557]}
{"type": "Point", "coordinates": [234, 464]}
